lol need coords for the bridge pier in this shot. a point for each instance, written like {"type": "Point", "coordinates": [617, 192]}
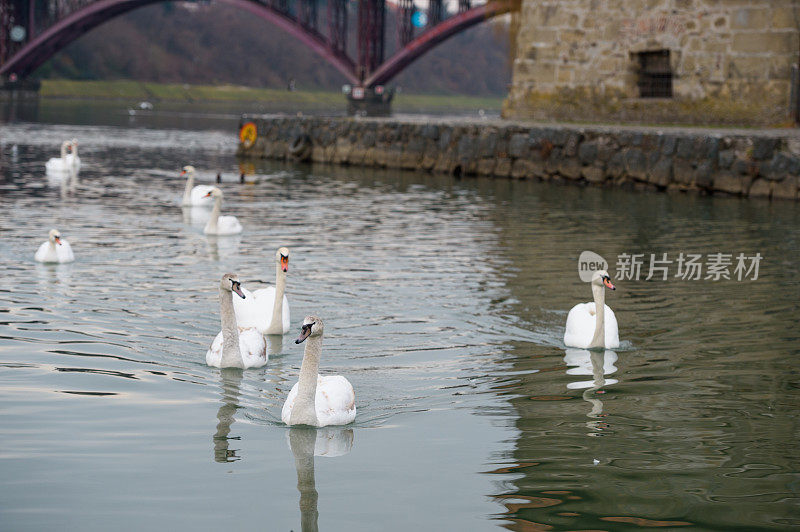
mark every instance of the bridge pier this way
{"type": "Point", "coordinates": [19, 90]}
{"type": "Point", "coordinates": [369, 101]}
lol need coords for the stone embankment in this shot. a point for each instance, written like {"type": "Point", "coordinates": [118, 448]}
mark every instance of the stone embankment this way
{"type": "Point", "coordinates": [757, 163]}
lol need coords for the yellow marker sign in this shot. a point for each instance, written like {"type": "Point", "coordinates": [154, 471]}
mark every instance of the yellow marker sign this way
{"type": "Point", "coordinates": [248, 134]}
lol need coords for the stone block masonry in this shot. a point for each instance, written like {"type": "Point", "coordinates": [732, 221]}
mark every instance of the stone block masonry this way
{"type": "Point", "coordinates": [752, 163]}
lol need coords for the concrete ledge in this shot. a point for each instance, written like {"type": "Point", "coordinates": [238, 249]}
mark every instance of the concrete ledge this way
{"type": "Point", "coordinates": [757, 163]}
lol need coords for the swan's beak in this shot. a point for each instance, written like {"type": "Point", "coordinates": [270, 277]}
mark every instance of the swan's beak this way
{"type": "Point", "coordinates": [58, 240]}
{"type": "Point", "coordinates": [607, 282]}
{"type": "Point", "coordinates": [236, 288]}
{"type": "Point", "coordinates": [284, 264]}
{"type": "Point", "coordinates": [183, 173]}
{"type": "Point", "coordinates": [207, 195]}
{"type": "Point", "coordinates": [306, 332]}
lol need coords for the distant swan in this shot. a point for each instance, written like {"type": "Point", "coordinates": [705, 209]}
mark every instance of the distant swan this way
{"type": "Point", "coordinates": [267, 309]}
{"type": "Point", "coordinates": [59, 165]}
{"type": "Point", "coordinates": [54, 250]}
{"type": "Point", "coordinates": [72, 157]}
{"type": "Point", "coordinates": [195, 196]}
{"type": "Point", "coordinates": [593, 325]}
{"type": "Point", "coordinates": [316, 400]}
{"type": "Point", "coordinates": [220, 225]}
{"type": "Point", "coordinates": [235, 347]}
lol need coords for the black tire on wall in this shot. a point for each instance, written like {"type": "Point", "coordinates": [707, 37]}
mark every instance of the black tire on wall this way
{"type": "Point", "coordinates": [300, 148]}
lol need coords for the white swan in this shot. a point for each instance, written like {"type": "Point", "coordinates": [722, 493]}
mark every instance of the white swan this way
{"type": "Point", "coordinates": [55, 249]}
{"type": "Point", "coordinates": [593, 325]}
{"type": "Point", "coordinates": [267, 309]}
{"type": "Point", "coordinates": [195, 196]}
{"type": "Point", "coordinates": [235, 347]}
{"type": "Point", "coordinates": [72, 157]}
{"type": "Point", "coordinates": [220, 225]}
{"type": "Point", "coordinates": [316, 400]}
{"type": "Point", "coordinates": [59, 166]}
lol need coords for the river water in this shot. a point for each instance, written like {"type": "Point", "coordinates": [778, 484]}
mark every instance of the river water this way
{"type": "Point", "coordinates": [444, 303]}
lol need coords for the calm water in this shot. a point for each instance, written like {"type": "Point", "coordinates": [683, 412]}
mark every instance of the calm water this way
{"type": "Point", "coordinates": [444, 303]}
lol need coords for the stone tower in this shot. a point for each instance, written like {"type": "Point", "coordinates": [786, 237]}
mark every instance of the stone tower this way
{"type": "Point", "coordinates": [665, 61]}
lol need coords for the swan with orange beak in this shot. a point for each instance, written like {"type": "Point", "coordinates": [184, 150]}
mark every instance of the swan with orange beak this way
{"type": "Point", "coordinates": [54, 250]}
{"type": "Point", "coordinates": [267, 309]}
{"type": "Point", "coordinates": [593, 325]}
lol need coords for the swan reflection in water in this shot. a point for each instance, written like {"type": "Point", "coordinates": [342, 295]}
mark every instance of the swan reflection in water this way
{"type": "Point", "coordinates": [598, 363]}
{"type": "Point", "coordinates": [54, 278]}
{"type": "Point", "coordinates": [231, 379]}
{"type": "Point", "coordinates": [306, 443]}
{"type": "Point", "coordinates": [223, 246]}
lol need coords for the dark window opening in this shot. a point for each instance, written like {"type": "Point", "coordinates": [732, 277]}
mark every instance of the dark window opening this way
{"type": "Point", "coordinates": [655, 74]}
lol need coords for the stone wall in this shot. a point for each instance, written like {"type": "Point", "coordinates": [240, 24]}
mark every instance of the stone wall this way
{"type": "Point", "coordinates": [731, 60]}
{"type": "Point", "coordinates": [756, 164]}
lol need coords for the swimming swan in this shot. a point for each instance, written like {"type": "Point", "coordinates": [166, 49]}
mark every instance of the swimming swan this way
{"type": "Point", "coordinates": [235, 347]}
{"type": "Point", "coordinates": [59, 165]}
{"type": "Point", "coordinates": [591, 325]}
{"type": "Point", "coordinates": [220, 225]}
{"type": "Point", "coordinates": [267, 309]}
{"type": "Point", "coordinates": [195, 196]}
{"type": "Point", "coordinates": [316, 400]}
{"type": "Point", "coordinates": [54, 250]}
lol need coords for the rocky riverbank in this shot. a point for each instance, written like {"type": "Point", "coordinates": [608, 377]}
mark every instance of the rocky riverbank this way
{"type": "Point", "coordinates": [752, 163]}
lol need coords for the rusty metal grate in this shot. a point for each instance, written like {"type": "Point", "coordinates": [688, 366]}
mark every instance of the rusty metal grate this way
{"type": "Point", "coordinates": [655, 74]}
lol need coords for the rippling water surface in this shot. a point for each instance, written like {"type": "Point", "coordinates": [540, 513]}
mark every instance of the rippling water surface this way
{"type": "Point", "coordinates": [444, 303]}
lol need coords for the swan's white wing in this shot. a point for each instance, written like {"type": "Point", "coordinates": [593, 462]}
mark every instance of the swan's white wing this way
{"type": "Point", "coordinates": [228, 225]}
{"type": "Point", "coordinates": [286, 411]}
{"type": "Point", "coordinates": [198, 196]}
{"type": "Point", "coordinates": [266, 299]}
{"type": "Point", "coordinates": [612, 331]}
{"type": "Point", "coordinates": [335, 401]}
{"type": "Point", "coordinates": [256, 309]}
{"type": "Point", "coordinates": [252, 311]}
{"type": "Point", "coordinates": [214, 353]}
{"type": "Point", "coordinates": [64, 252]}
{"type": "Point", "coordinates": [41, 253]}
{"type": "Point", "coordinates": [56, 165]}
{"type": "Point", "coordinates": [580, 326]}
{"type": "Point", "coordinates": [581, 323]}
{"type": "Point", "coordinates": [253, 348]}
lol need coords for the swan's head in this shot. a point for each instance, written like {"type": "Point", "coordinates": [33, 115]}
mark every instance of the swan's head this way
{"type": "Point", "coordinates": [230, 282]}
{"type": "Point", "coordinates": [601, 278]}
{"type": "Point", "coordinates": [74, 142]}
{"type": "Point", "coordinates": [312, 326]}
{"type": "Point", "coordinates": [214, 192]}
{"type": "Point", "coordinates": [55, 236]}
{"type": "Point", "coordinates": [188, 169]}
{"type": "Point", "coordinates": [282, 258]}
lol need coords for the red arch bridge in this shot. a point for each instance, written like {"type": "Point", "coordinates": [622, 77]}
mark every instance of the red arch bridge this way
{"type": "Point", "coordinates": [32, 31]}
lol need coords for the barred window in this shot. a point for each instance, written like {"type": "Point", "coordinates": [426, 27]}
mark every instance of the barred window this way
{"type": "Point", "coordinates": [655, 74]}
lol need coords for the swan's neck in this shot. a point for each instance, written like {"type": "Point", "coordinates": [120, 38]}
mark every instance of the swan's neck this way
{"type": "Point", "coordinates": [212, 221]}
{"type": "Point", "coordinates": [53, 246]}
{"type": "Point", "coordinates": [231, 356]}
{"type": "Point", "coordinates": [304, 411]}
{"type": "Point", "coordinates": [276, 325]}
{"type": "Point", "coordinates": [187, 192]}
{"type": "Point", "coordinates": [599, 338]}
{"type": "Point", "coordinates": [64, 150]}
